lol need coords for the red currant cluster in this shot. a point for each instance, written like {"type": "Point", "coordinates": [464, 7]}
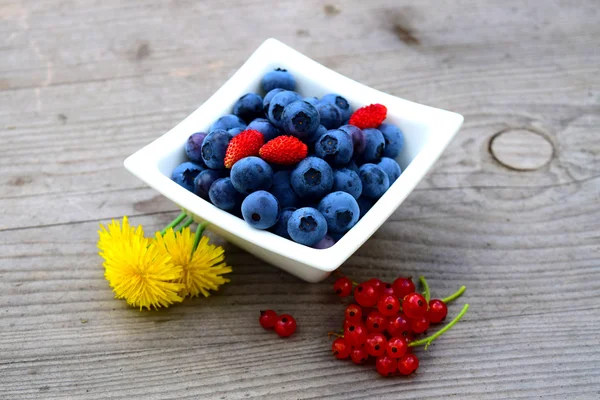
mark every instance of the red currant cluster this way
{"type": "Point", "coordinates": [386, 320]}
{"type": "Point", "coordinates": [283, 324]}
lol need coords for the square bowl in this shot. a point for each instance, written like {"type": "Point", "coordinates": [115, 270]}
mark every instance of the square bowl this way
{"type": "Point", "coordinates": [427, 133]}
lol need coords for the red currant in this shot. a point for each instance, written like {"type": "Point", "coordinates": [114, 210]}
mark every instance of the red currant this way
{"type": "Point", "coordinates": [340, 348]}
{"type": "Point", "coordinates": [437, 311]}
{"type": "Point", "coordinates": [342, 287]}
{"type": "Point", "coordinates": [267, 319]}
{"type": "Point", "coordinates": [285, 325]}
{"type": "Point", "coordinates": [376, 322]}
{"type": "Point", "coordinates": [409, 337]}
{"type": "Point", "coordinates": [376, 344]}
{"type": "Point", "coordinates": [386, 366]}
{"type": "Point", "coordinates": [353, 313]}
{"type": "Point", "coordinates": [398, 325]}
{"type": "Point", "coordinates": [419, 325]}
{"type": "Point", "coordinates": [388, 305]}
{"type": "Point", "coordinates": [355, 335]}
{"type": "Point", "coordinates": [407, 364]}
{"type": "Point", "coordinates": [403, 286]}
{"type": "Point", "coordinates": [396, 347]}
{"type": "Point", "coordinates": [414, 305]}
{"type": "Point", "coordinates": [348, 323]}
{"type": "Point", "coordinates": [387, 289]}
{"type": "Point", "coordinates": [359, 355]}
{"type": "Point", "coordinates": [376, 283]}
{"type": "Point", "coordinates": [365, 295]}
{"type": "Point", "coordinates": [368, 310]}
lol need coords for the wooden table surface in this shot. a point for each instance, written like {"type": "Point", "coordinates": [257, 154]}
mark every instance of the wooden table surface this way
{"type": "Point", "coordinates": [511, 210]}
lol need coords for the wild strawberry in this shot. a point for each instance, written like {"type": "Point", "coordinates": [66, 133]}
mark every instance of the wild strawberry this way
{"type": "Point", "coordinates": [370, 116]}
{"type": "Point", "coordinates": [284, 150]}
{"type": "Point", "coordinates": [245, 144]}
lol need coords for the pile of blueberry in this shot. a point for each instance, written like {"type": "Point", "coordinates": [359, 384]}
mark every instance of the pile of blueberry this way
{"type": "Point", "coordinates": [307, 169]}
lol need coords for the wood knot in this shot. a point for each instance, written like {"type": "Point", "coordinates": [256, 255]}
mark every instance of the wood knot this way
{"type": "Point", "coordinates": [331, 10]}
{"type": "Point", "coordinates": [521, 149]}
{"type": "Point", "coordinates": [142, 51]}
{"type": "Point", "coordinates": [20, 181]}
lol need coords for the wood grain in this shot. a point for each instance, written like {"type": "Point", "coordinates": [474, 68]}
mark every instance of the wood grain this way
{"type": "Point", "coordinates": [84, 84]}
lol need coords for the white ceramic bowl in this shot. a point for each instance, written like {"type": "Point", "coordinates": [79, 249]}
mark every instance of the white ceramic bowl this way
{"type": "Point", "coordinates": [427, 133]}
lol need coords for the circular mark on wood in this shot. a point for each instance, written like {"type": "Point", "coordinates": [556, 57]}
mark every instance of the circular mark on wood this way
{"type": "Point", "coordinates": [521, 149]}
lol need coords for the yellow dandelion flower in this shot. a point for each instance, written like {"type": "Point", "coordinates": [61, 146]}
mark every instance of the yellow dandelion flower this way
{"type": "Point", "coordinates": [202, 270]}
{"type": "Point", "coordinates": [117, 233]}
{"type": "Point", "coordinates": [141, 273]}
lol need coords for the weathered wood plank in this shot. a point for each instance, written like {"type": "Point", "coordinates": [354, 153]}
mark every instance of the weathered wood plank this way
{"type": "Point", "coordinates": [515, 305]}
{"type": "Point", "coordinates": [84, 84]}
{"type": "Point", "coordinates": [527, 93]}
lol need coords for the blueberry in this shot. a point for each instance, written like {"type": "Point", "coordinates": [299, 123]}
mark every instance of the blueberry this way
{"type": "Point", "coordinates": [394, 140]}
{"type": "Point", "coordinates": [336, 236]}
{"type": "Point", "coordinates": [331, 116]}
{"type": "Point", "coordinates": [282, 178]}
{"type": "Point", "coordinates": [352, 165]}
{"type": "Point", "coordinates": [237, 210]}
{"type": "Point", "coordinates": [260, 210]}
{"type": "Point", "coordinates": [365, 204]}
{"type": "Point", "coordinates": [300, 119]}
{"type": "Point", "coordinates": [184, 174]}
{"type": "Point", "coordinates": [265, 127]}
{"type": "Point", "coordinates": [251, 174]}
{"type": "Point", "coordinates": [374, 180]}
{"type": "Point", "coordinates": [282, 189]}
{"type": "Point", "coordinates": [248, 107]}
{"type": "Point", "coordinates": [340, 211]}
{"type": "Point", "coordinates": [312, 178]}
{"type": "Point", "coordinates": [193, 147]}
{"type": "Point", "coordinates": [214, 147]}
{"type": "Point", "coordinates": [375, 145]}
{"type": "Point", "coordinates": [391, 168]}
{"type": "Point", "coordinates": [268, 97]}
{"type": "Point", "coordinates": [321, 130]}
{"type": "Point", "coordinates": [223, 195]}
{"type": "Point", "coordinates": [313, 203]}
{"type": "Point", "coordinates": [235, 131]}
{"type": "Point", "coordinates": [204, 180]}
{"type": "Point", "coordinates": [340, 102]}
{"type": "Point", "coordinates": [325, 243]}
{"type": "Point", "coordinates": [227, 122]}
{"type": "Point", "coordinates": [307, 226]}
{"type": "Point", "coordinates": [312, 100]}
{"type": "Point", "coordinates": [279, 78]}
{"type": "Point", "coordinates": [358, 138]}
{"type": "Point", "coordinates": [278, 103]}
{"type": "Point", "coordinates": [347, 180]}
{"type": "Point", "coordinates": [280, 227]}
{"type": "Point", "coordinates": [286, 196]}
{"type": "Point", "coordinates": [335, 146]}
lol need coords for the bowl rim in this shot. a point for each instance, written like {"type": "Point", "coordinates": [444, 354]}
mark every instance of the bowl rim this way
{"type": "Point", "coordinates": [144, 162]}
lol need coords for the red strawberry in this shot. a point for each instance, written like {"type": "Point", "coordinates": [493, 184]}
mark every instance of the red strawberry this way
{"type": "Point", "coordinates": [245, 144]}
{"type": "Point", "coordinates": [370, 116]}
{"type": "Point", "coordinates": [286, 150]}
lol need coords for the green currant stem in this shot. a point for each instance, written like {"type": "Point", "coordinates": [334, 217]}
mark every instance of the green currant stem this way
{"type": "Point", "coordinates": [199, 231]}
{"type": "Point", "coordinates": [454, 295]}
{"type": "Point", "coordinates": [427, 341]}
{"type": "Point", "coordinates": [174, 223]}
{"type": "Point", "coordinates": [425, 285]}
{"type": "Point", "coordinates": [330, 334]}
